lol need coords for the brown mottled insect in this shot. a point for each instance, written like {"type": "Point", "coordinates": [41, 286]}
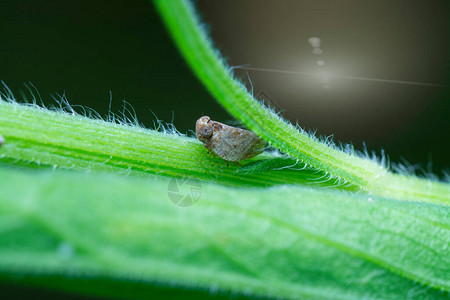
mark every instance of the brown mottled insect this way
{"type": "Point", "coordinates": [230, 143]}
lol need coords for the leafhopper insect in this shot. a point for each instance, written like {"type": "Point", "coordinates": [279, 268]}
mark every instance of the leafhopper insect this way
{"type": "Point", "coordinates": [230, 143]}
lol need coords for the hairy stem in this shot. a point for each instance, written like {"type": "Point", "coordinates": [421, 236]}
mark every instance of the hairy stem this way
{"type": "Point", "coordinates": [56, 139]}
{"type": "Point", "coordinates": [207, 64]}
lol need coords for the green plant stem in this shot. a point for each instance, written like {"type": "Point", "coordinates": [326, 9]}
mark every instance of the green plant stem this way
{"type": "Point", "coordinates": [205, 61]}
{"type": "Point", "coordinates": [313, 244]}
{"type": "Point", "coordinates": [50, 138]}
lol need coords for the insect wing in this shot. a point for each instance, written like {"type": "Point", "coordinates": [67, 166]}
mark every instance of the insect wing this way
{"type": "Point", "coordinates": [235, 144]}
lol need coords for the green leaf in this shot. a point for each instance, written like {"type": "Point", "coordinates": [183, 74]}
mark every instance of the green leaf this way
{"type": "Point", "coordinates": [321, 223]}
{"type": "Point", "coordinates": [313, 243]}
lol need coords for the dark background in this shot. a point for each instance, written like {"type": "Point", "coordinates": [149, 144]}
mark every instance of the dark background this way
{"type": "Point", "coordinates": [86, 50]}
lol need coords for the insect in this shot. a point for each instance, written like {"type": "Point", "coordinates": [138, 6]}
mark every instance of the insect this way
{"type": "Point", "coordinates": [230, 143]}
{"type": "Point", "coordinates": [2, 140]}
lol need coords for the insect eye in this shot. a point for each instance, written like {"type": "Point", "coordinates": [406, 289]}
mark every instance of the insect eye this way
{"type": "Point", "coordinates": [206, 131]}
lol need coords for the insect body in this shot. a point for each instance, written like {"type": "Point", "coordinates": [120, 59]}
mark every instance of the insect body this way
{"type": "Point", "coordinates": [230, 143]}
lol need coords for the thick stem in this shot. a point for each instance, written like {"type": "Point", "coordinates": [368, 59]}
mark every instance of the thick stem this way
{"type": "Point", "coordinates": [206, 62]}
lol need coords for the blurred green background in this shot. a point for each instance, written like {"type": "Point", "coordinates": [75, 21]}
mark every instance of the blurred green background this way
{"type": "Point", "coordinates": [87, 50]}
